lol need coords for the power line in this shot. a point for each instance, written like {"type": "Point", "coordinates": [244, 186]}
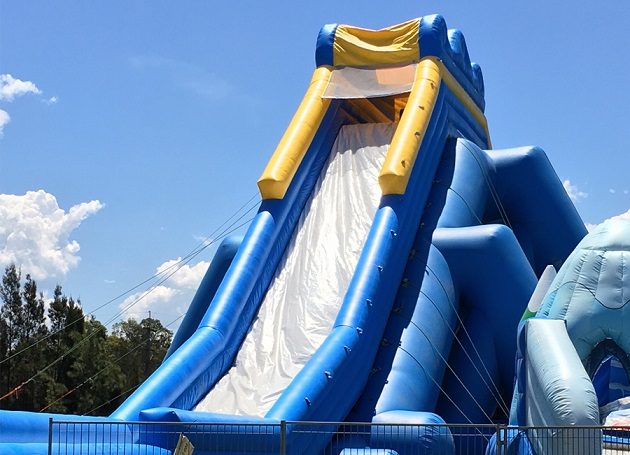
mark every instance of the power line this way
{"type": "Point", "coordinates": [497, 396]}
{"type": "Point", "coordinates": [442, 390]}
{"type": "Point", "coordinates": [463, 326]}
{"type": "Point", "coordinates": [504, 216]}
{"type": "Point", "coordinates": [493, 192]}
{"type": "Point", "coordinates": [182, 263]}
{"type": "Point", "coordinates": [121, 312]}
{"type": "Point", "coordinates": [102, 370]}
{"type": "Point", "coordinates": [437, 351]}
{"type": "Point", "coordinates": [206, 242]}
{"type": "Point", "coordinates": [112, 399]}
{"type": "Point", "coordinates": [466, 204]}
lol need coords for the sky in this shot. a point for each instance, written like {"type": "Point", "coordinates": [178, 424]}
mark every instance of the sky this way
{"type": "Point", "coordinates": [129, 131]}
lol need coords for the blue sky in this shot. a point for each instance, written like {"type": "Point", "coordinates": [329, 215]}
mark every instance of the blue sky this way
{"type": "Point", "coordinates": [166, 113]}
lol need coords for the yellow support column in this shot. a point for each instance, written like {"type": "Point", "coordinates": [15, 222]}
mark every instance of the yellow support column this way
{"type": "Point", "coordinates": [405, 145]}
{"type": "Point", "coordinates": [286, 159]}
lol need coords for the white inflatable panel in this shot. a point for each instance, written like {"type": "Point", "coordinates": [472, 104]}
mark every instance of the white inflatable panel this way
{"type": "Point", "coordinates": [304, 297]}
{"type": "Point", "coordinates": [544, 284]}
{"type": "Point", "coordinates": [349, 82]}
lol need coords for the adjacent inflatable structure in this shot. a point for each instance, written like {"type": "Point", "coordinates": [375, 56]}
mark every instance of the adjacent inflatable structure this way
{"type": "Point", "coordinates": [386, 271]}
{"type": "Point", "coordinates": [577, 333]}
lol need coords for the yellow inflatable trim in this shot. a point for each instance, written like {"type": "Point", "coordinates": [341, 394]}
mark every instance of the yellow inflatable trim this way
{"type": "Point", "coordinates": [400, 159]}
{"type": "Point", "coordinates": [286, 159]}
{"type": "Point", "coordinates": [354, 46]}
{"type": "Point", "coordinates": [464, 98]}
{"type": "Point", "coordinates": [403, 151]}
{"type": "Point", "coordinates": [413, 124]}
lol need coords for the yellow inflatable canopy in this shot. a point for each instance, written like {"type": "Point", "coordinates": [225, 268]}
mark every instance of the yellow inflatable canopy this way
{"type": "Point", "coordinates": [395, 45]}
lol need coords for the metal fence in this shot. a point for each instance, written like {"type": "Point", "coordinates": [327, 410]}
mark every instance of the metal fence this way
{"type": "Point", "coordinates": [581, 440]}
{"type": "Point", "coordinates": [284, 438]}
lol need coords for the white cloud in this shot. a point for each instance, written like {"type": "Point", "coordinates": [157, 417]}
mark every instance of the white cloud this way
{"type": "Point", "coordinates": [612, 190]}
{"type": "Point", "coordinates": [621, 216]}
{"type": "Point", "coordinates": [4, 119]}
{"type": "Point", "coordinates": [169, 299]}
{"type": "Point", "coordinates": [11, 88]}
{"type": "Point", "coordinates": [572, 190]}
{"type": "Point", "coordinates": [35, 233]}
{"type": "Point", "coordinates": [157, 300]}
{"type": "Point", "coordinates": [187, 277]}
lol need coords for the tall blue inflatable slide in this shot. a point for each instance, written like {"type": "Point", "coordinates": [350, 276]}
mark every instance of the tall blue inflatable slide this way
{"type": "Point", "coordinates": [386, 274]}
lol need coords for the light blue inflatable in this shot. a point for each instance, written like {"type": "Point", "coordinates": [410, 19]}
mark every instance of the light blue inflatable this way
{"type": "Point", "coordinates": [581, 324]}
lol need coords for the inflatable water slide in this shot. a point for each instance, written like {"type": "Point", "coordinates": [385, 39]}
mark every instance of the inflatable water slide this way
{"type": "Point", "coordinates": [384, 275]}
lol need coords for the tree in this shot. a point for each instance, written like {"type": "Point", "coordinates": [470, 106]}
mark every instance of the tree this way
{"type": "Point", "coordinates": [12, 315]}
{"type": "Point", "coordinates": [22, 324]}
{"type": "Point", "coordinates": [148, 339]}
{"type": "Point", "coordinates": [34, 322]}
{"type": "Point", "coordinates": [4, 340]}
{"type": "Point", "coordinates": [95, 371]}
{"type": "Point", "coordinates": [64, 313]}
{"type": "Point", "coordinates": [69, 363]}
{"type": "Point", "coordinates": [67, 322]}
{"type": "Point", "coordinates": [11, 295]}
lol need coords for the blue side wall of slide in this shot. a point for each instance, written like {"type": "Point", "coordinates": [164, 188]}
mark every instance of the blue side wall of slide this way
{"type": "Point", "coordinates": [448, 349]}
{"type": "Point", "coordinates": [187, 375]}
{"type": "Point", "coordinates": [206, 291]}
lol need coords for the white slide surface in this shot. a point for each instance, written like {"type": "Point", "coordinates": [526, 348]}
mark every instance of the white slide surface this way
{"type": "Point", "coordinates": [302, 302]}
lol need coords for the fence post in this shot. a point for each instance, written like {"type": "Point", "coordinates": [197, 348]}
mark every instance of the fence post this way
{"type": "Point", "coordinates": [50, 435]}
{"type": "Point", "coordinates": [499, 439]}
{"type": "Point", "coordinates": [283, 437]}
